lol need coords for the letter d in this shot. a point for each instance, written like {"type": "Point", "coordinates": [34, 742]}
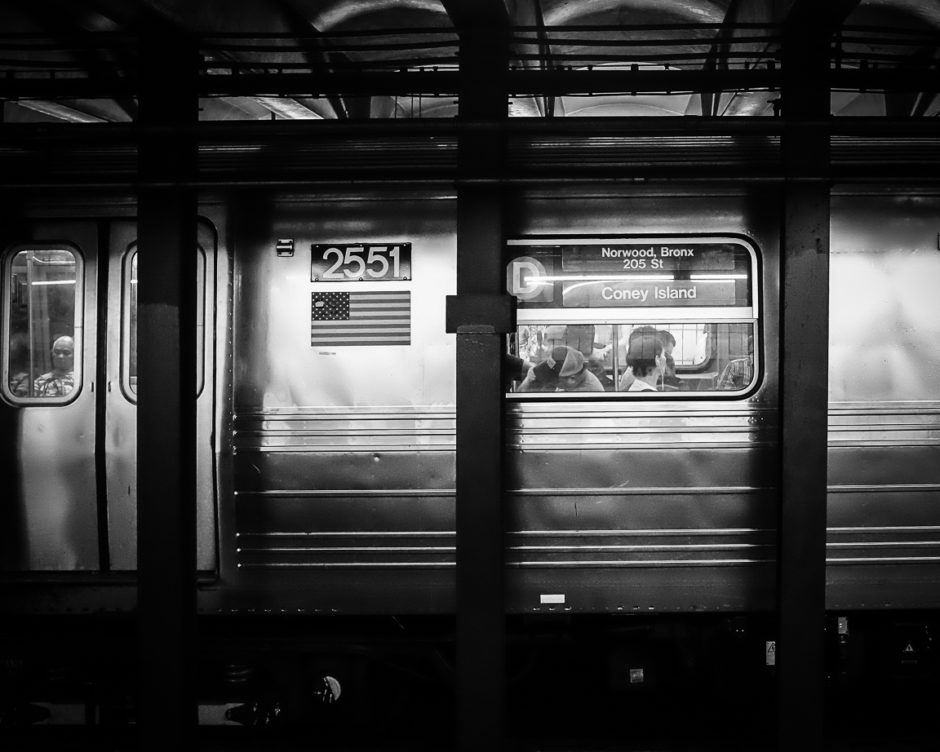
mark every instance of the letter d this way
{"type": "Point", "coordinates": [525, 278]}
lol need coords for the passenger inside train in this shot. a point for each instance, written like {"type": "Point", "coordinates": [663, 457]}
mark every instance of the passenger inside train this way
{"type": "Point", "coordinates": [646, 361]}
{"type": "Point", "coordinates": [565, 370]}
{"type": "Point", "coordinates": [61, 379]}
{"type": "Point", "coordinates": [670, 381]}
{"type": "Point", "coordinates": [574, 375]}
{"type": "Point", "coordinates": [627, 378]}
{"type": "Point", "coordinates": [738, 373]}
{"type": "Point", "coordinates": [695, 357]}
{"type": "Point", "coordinates": [19, 365]}
{"type": "Point", "coordinates": [41, 306]}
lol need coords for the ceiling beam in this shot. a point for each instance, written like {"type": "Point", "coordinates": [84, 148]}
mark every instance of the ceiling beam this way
{"type": "Point", "coordinates": [827, 16]}
{"type": "Point", "coordinates": [57, 19]}
{"type": "Point", "coordinates": [718, 57]}
{"type": "Point", "coordinates": [469, 14]}
{"type": "Point", "coordinates": [447, 83]}
{"type": "Point", "coordinates": [545, 56]}
{"type": "Point", "coordinates": [60, 111]}
{"type": "Point", "coordinates": [838, 11]}
{"type": "Point", "coordinates": [315, 51]}
{"type": "Point", "coordinates": [282, 106]}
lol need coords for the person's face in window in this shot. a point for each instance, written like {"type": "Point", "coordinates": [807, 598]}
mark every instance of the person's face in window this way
{"type": "Point", "coordinates": [570, 382]}
{"type": "Point", "coordinates": [63, 354]}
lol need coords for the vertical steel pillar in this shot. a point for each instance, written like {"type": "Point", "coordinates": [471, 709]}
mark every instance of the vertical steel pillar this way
{"type": "Point", "coordinates": [804, 348]}
{"type": "Point", "coordinates": [479, 315]}
{"type": "Point", "coordinates": [166, 399]}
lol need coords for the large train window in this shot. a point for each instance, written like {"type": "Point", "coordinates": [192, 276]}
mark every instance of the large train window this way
{"type": "Point", "coordinates": [637, 316]}
{"type": "Point", "coordinates": [42, 334]}
{"type": "Point", "coordinates": [129, 333]}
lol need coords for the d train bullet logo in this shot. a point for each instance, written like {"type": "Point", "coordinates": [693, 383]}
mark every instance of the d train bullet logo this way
{"type": "Point", "coordinates": [527, 279]}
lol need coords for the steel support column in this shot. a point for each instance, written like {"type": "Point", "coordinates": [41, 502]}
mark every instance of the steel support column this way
{"type": "Point", "coordinates": [804, 347]}
{"type": "Point", "coordinates": [166, 400]}
{"type": "Point", "coordinates": [481, 680]}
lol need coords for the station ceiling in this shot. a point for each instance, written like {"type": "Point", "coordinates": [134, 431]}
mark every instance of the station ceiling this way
{"type": "Point", "coordinates": [74, 61]}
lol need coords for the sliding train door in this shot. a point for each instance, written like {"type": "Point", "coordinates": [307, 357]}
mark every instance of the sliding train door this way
{"type": "Point", "coordinates": [49, 518]}
{"type": "Point", "coordinates": [121, 397]}
{"type": "Point", "coordinates": [68, 413]}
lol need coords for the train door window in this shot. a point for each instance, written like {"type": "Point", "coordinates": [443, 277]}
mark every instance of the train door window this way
{"type": "Point", "coordinates": [129, 332]}
{"type": "Point", "coordinates": [42, 336]}
{"type": "Point", "coordinates": [639, 317]}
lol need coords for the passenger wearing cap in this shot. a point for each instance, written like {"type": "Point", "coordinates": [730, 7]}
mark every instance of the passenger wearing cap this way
{"type": "Point", "coordinates": [565, 371]}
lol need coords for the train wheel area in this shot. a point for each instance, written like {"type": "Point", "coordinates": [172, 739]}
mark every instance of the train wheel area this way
{"type": "Point", "coordinates": [574, 682]}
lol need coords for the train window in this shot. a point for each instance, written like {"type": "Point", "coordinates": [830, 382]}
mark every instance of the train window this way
{"type": "Point", "coordinates": [704, 357]}
{"type": "Point", "coordinates": [884, 311]}
{"type": "Point", "coordinates": [634, 316]}
{"type": "Point", "coordinates": [129, 335]}
{"type": "Point", "coordinates": [43, 328]}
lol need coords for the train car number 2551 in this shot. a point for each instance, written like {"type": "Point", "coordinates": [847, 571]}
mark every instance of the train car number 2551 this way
{"type": "Point", "coordinates": [360, 262]}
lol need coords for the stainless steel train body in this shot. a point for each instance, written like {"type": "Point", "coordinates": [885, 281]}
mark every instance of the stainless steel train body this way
{"type": "Point", "coordinates": [327, 466]}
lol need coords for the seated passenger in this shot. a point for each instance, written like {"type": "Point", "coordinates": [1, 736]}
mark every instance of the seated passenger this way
{"type": "Point", "coordinates": [626, 379]}
{"type": "Point", "coordinates": [60, 380]}
{"type": "Point", "coordinates": [565, 371]}
{"type": "Point", "coordinates": [737, 374]}
{"type": "Point", "coordinates": [19, 384]}
{"type": "Point", "coordinates": [595, 365]}
{"type": "Point", "coordinates": [580, 337]}
{"type": "Point", "coordinates": [515, 368]}
{"type": "Point", "coordinates": [19, 367]}
{"type": "Point", "coordinates": [671, 382]}
{"type": "Point", "coordinates": [574, 375]}
{"type": "Point", "coordinates": [645, 360]}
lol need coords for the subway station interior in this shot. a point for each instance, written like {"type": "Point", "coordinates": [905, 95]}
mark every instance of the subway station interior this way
{"type": "Point", "coordinates": [567, 375]}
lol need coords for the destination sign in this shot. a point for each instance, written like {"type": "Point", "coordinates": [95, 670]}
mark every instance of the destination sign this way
{"type": "Point", "coordinates": [633, 272]}
{"type": "Point", "coordinates": [641, 293]}
{"type": "Point", "coordinates": [652, 257]}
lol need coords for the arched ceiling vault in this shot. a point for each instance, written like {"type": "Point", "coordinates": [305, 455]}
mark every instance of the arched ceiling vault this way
{"type": "Point", "coordinates": [325, 37]}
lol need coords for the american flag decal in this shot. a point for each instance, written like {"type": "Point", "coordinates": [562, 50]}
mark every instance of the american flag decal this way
{"type": "Point", "coordinates": [360, 318]}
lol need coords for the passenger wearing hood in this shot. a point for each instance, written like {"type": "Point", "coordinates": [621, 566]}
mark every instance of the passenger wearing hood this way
{"type": "Point", "coordinates": [564, 371]}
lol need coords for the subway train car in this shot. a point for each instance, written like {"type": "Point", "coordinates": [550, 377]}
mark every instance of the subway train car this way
{"type": "Point", "coordinates": [641, 451]}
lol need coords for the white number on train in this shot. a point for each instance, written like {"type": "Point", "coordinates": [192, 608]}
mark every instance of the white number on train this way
{"type": "Point", "coordinates": [378, 263]}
